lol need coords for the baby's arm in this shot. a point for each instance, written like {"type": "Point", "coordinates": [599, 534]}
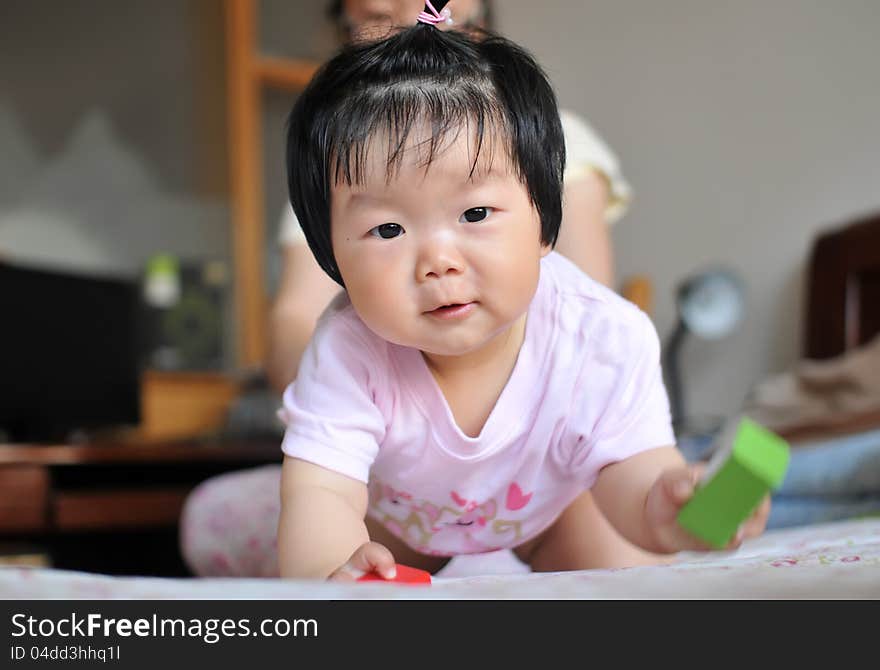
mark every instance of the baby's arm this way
{"type": "Point", "coordinates": [642, 495]}
{"type": "Point", "coordinates": [321, 532]}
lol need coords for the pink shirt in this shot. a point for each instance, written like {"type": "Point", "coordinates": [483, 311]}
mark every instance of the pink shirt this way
{"type": "Point", "coordinates": [586, 391]}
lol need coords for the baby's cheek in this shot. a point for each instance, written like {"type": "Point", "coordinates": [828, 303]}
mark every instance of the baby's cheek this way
{"type": "Point", "coordinates": [384, 311]}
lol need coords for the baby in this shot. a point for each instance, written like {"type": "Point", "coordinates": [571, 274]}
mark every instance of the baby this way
{"type": "Point", "coordinates": [469, 384]}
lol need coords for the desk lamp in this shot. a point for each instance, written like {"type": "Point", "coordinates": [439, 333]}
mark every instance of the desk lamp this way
{"type": "Point", "coordinates": [709, 305]}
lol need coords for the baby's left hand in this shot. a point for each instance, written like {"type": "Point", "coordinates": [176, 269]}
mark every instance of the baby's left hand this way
{"type": "Point", "coordinates": [668, 495]}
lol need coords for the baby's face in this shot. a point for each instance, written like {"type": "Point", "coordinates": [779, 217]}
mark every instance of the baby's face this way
{"type": "Point", "coordinates": [371, 19]}
{"type": "Point", "coordinates": [434, 259]}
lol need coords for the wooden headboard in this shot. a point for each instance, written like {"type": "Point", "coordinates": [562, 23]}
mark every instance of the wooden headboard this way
{"type": "Point", "coordinates": [843, 289]}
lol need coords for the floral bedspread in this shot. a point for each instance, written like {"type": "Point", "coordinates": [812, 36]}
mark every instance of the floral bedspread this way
{"type": "Point", "coordinates": [834, 560]}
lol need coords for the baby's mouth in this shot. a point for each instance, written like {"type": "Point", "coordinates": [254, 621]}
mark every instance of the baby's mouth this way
{"type": "Point", "coordinates": [452, 310]}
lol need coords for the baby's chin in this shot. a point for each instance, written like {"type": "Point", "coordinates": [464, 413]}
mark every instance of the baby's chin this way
{"type": "Point", "coordinates": [448, 348]}
{"type": "Point", "coordinates": [448, 344]}
{"type": "Point", "coordinates": [455, 347]}
{"type": "Point", "coordinates": [442, 349]}
{"type": "Point", "coordinates": [449, 351]}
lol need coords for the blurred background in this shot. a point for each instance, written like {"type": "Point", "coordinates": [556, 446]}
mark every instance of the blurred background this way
{"type": "Point", "coordinates": [142, 140]}
{"type": "Point", "coordinates": [744, 128]}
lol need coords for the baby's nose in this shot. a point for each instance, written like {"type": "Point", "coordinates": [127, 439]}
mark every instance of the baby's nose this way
{"type": "Point", "coordinates": [438, 258]}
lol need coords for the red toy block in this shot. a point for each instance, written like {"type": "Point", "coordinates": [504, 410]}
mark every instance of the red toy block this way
{"type": "Point", "coordinates": [405, 575]}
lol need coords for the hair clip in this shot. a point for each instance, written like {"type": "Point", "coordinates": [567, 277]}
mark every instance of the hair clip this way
{"type": "Point", "coordinates": [432, 16]}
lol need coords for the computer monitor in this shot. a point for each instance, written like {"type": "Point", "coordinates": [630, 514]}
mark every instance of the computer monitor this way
{"type": "Point", "coordinates": [68, 354]}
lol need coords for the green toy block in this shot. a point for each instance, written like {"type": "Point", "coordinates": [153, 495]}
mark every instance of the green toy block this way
{"type": "Point", "coordinates": [736, 479]}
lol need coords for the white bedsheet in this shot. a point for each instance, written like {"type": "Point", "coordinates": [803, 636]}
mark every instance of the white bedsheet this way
{"type": "Point", "coordinates": [836, 560]}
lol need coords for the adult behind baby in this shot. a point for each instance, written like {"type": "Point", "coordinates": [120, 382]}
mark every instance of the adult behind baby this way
{"type": "Point", "coordinates": [477, 381]}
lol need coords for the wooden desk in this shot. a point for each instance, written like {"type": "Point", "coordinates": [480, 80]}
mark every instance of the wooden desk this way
{"type": "Point", "coordinates": [85, 503]}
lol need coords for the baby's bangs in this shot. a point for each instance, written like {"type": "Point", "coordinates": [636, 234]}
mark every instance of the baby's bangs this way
{"type": "Point", "coordinates": [426, 117]}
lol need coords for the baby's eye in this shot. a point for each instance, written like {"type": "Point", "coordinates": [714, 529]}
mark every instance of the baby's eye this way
{"type": "Point", "coordinates": [387, 230]}
{"type": "Point", "coordinates": [476, 214]}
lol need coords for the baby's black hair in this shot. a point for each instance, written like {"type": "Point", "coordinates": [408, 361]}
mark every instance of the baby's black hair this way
{"type": "Point", "coordinates": [453, 82]}
{"type": "Point", "coordinates": [336, 13]}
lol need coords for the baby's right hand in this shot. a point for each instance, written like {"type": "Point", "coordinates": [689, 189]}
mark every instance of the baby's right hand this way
{"type": "Point", "coordinates": [369, 557]}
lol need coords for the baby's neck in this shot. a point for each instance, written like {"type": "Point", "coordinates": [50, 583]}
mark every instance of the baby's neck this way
{"type": "Point", "coordinates": [473, 382]}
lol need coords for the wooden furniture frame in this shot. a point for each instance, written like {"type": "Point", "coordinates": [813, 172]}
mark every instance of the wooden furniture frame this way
{"type": "Point", "coordinates": [81, 504]}
{"type": "Point", "coordinates": [843, 289]}
{"type": "Point", "coordinates": [248, 75]}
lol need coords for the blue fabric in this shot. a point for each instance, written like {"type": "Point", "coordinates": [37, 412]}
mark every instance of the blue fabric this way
{"type": "Point", "coordinates": [828, 480]}
{"type": "Point", "coordinates": [842, 466]}
{"type": "Point", "coordinates": [788, 511]}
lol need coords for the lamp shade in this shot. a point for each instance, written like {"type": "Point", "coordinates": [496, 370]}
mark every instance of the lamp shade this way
{"type": "Point", "coordinates": [711, 303]}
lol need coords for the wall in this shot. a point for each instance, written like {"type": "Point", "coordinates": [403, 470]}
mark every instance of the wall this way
{"type": "Point", "coordinates": [115, 114]}
{"type": "Point", "coordinates": [744, 128]}
{"type": "Point", "coordinates": [107, 102]}
{"type": "Point", "coordinates": [154, 67]}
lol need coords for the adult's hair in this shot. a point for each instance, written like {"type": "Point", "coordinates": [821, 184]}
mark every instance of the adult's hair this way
{"type": "Point", "coordinates": [447, 81]}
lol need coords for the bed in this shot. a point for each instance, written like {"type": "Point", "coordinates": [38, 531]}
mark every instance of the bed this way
{"type": "Point", "coordinates": [817, 554]}
{"type": "Point", "coordinates": [837, 560]}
